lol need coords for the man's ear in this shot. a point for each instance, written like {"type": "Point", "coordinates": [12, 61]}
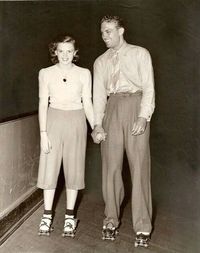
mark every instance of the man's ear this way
{"type": "Point", "coordinates": [121, 31]}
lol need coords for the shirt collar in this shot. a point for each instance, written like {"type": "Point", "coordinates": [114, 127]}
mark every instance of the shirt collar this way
{"type": "Point", "coordinates": [120, 50]}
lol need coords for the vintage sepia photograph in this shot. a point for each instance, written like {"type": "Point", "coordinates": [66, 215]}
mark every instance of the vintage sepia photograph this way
{"type": "Point", "coordinates": [99, 126]}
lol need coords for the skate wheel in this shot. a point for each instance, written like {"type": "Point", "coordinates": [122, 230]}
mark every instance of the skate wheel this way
{"type": "Point", "coordinates": [68, 235]}
{"type": "Point", "coordinates": [112, 239]}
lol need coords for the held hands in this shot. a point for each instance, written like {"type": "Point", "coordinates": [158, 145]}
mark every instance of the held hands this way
{"type": "Point", "coordinates": [139, 126]}
{"type": "Point", "coordinates": [98, 134]}
{"type": "Point", "coordinates": [45, 143]}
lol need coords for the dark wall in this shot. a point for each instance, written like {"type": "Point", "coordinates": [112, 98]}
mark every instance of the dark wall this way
{"type": "Point", "coordinates": [27, 28]}
{"type": "Point", "coordinates": [170, 30]}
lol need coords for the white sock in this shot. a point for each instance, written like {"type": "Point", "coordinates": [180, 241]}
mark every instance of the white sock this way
{"type": "Point", "coordinates": [69, 216]}
{"type": "Point", "coordinates": [47, 215]}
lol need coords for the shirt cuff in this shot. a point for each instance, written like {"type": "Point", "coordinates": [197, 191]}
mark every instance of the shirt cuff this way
{"type": "Point", "coordinates": [145, 115]}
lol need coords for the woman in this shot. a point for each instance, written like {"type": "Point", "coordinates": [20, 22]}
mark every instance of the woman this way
{"type": "Point", "coordinates": [64, 101]}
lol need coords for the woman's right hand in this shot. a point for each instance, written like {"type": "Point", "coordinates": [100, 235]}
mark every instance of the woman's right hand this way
{"type": "Point", "coordinates": [45, 143]}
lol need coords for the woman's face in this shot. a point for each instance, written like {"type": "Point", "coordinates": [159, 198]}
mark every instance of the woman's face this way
{"type": "Point", "coordinates": [65, 52]}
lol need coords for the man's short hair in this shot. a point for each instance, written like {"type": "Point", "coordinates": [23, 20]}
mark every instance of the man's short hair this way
{"type": "Point", "coordinates": [116, 19]}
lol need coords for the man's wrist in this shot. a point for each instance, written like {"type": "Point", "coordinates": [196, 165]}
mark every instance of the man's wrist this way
{"type": "Point", "coordinates": [143, 118]}
{"type": "Point", "coordinates": [97, 125]}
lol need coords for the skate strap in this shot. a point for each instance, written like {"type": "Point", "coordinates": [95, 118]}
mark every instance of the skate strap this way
{"type": "Point", "coordinates": [70, 224]}
{"type": "Point", "coordinates": [44, 223]}
{"type": "Point", "coordinates": [110, 225]}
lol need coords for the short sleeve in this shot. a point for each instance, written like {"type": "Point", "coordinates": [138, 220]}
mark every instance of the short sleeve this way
{"type": "Point", "coordinates": [43, 85]}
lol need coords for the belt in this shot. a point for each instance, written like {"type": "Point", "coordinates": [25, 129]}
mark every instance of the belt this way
{"type": "Point", "coordinates": [126, 94]}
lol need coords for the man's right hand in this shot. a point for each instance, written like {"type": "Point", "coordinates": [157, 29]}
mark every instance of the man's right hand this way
{"type": "Point", "coordinates": [98, 134]}
{"type": "Point", "coordinates": [45, 143]}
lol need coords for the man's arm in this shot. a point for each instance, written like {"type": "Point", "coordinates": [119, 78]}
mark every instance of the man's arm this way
{"type": "Point", "coordinates": [99, 101]}
{"type": "Point", "coordinates": [148, 94]}
{"type": "Point", "coordinates": [147, 78]}
{"type": "Point", "coordinates": [99, 93]}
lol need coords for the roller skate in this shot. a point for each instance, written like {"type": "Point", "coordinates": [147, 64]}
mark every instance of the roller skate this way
{"type": "Point", "coordinates": [70, 227]}
{"type": "Point", "coordinates": [45, 227]}
{"type": "Point", "coordinates": [109, 232]}
{"type": "Point", "coordinates": [142, 240]}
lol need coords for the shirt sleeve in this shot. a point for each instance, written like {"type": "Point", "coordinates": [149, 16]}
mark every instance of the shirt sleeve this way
{"type": "Point", "coordinates": [147, 79]}
{"type": "Point", "coordinates": [43, 85]}
{"type": "Point", "coordinates": [87, 85]}
{"type": "Point", "coordinates": [99, 93]}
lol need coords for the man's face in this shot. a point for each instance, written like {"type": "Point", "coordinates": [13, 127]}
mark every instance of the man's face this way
{"type": "Point", "coordinates": [110, 34]}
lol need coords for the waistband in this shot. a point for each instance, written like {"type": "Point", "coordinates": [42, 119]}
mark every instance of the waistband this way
{"type": "Point", "coordinates": [56, 110]}
{"type": "Point", "coordinates": [126, 94]}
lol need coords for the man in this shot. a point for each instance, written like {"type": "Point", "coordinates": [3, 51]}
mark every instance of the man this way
{"type": "Point", "coordinates": [124, 74]}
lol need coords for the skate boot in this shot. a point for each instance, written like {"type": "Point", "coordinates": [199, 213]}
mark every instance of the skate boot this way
{"type": "Point", "coordinates": [109, 232]}
{"type": "Point", "coordinates": [142, 240]}
{"type": "Point", "coordinates": [69, 227]}
{"type": "Point", "coordinates": [45, 227]}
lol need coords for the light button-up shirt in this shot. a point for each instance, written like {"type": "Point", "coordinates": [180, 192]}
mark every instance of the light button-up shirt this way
{"type": "Point", "coordinates": [136, 74]}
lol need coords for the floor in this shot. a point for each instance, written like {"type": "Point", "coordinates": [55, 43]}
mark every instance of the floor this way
{"type": "Point", "coordinates": [176, 219]}
{"type": "Point", "coordinates": [171, 233]}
